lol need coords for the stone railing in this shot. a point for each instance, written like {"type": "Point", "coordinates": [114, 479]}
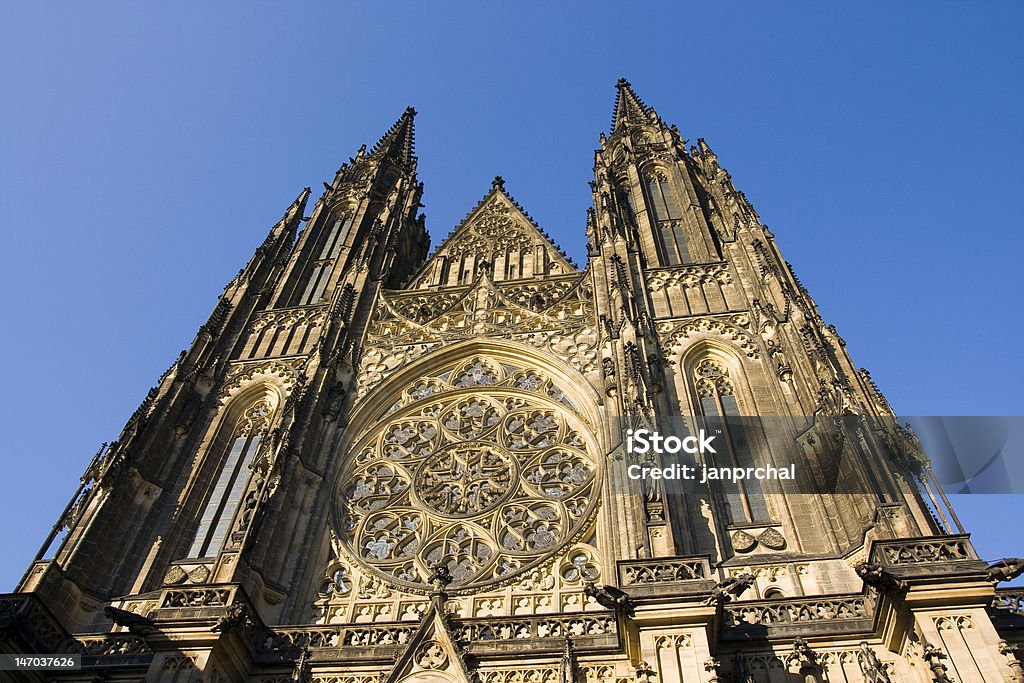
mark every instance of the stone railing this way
{"type": "Point", "coordinates": [23, 615]}
{"type": "Point", "coordinates": [284, 318]}
{"type": "Point", "coordinates": [113, 645]}
{"type": "Point", "coordinates": [689, 276]}
{"type": "Point", "coordinates": [663, 570]}
{"type": "Point", "coordinates": [932, 549]}
{"type": "Point", "coordinates": [537, 627]}
{"type": "Point", "coordinates": [1009, 599]}
{"type": "Point", "coordinates": [197, 598]}
{"type": "Point", "coordinates": [799, 611]}
{"type": "Point", "coordinates": [340, 636]}
{"type": "Point", "coordinates": [474, 631]}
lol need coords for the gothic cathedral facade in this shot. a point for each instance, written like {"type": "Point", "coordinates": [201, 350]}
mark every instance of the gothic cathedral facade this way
{"type": "Point", "coordinates": [376, 464]}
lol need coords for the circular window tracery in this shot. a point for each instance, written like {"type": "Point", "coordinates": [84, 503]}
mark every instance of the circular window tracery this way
{"type": "Point", "coordinates": [465, 480]}
{"type": "Point", "coordinates": [488, 472]}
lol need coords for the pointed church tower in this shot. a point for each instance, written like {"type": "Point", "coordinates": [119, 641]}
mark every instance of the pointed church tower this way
{"type": "Point", "coordinates": [375, 465]}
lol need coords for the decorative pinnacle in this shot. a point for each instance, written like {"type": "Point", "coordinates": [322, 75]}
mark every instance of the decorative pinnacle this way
{"type": "Point", "coordinates": [628, 105]}
{"type": "Point", "coordinates": [400, 139]}
{"type": "Point", "coordinates": [498, 183]}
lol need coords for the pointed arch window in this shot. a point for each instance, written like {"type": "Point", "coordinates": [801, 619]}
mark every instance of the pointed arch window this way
{"type": "Point", "coordinates": [663, 201]}
{"type": "Point", "coordinates": [627, 207]}
{"type": "Point", "coordinates": [667, 217]}
{"type": "Point", "coordinates": [334, 240]}
{"type": "Point", "coordinates": [744, 500]}
{"type": "Point", "coordinates": [231, 481]}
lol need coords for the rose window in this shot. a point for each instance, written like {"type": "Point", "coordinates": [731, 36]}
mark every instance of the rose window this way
{"type": "Point", "coordinates": [465, 480]}
{"type": "Point", "coordinates": [487, 474]}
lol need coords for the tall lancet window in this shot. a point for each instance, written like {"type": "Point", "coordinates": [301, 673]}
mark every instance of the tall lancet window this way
{"type": "Point", "coordinates": [230, 485]}
{"type": "Point", "coordinates": [743, 499]}
{"type": "Point", "coordinates": [324, 264]}
{"type": "Point", "coordinates": [667, 217]}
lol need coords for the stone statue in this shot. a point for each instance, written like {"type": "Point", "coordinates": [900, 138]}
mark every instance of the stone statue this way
{"type": "Point", "coordinates": [810, 671]}
{"type": "Point", "coordinates": [714, 667]}
{"type": "Point", "coordinates": [933, 656]}
{"type": "Point", "coordinates": [335, 398]}
{"type": "Point", "coordinates": [303, 671]}
{"type": "Point", "coordinates": [440, 578]}
{"type": "Point", "coordinates": [873, 670]}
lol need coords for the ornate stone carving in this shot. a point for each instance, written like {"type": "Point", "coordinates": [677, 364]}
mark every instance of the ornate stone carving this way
{"type": "Point", "coordinates": [791, 611]}
{"type": "Point", "coordinates": [661, 571]}
{"type": "Point", "coordinates": [405, 328]}
{"type": "Point", "coordinates": [114, 645]}
{"type": "Point", "coordinates": [332, 637]}
{"type": "Point", "coordinates": [538, 627]}
{"type": "Point", "coordinates": [489, 484]}
{"type": "Point", "coordinates": [286, 318]}
{"type": "Point", "coordinates": [1006, 569]}
{"type": "Point", "coordinates": [283, 373]}
{"type": "Point", "coordinates": [730, 588]}
{"type": "Point", "coordinates": [197, 597]}
{"type": "Point", "coordinates": [922, 551]}
{"type": "Point", "coordinates": [1011, 599]}
{"type": "Point", "coordinates": [733, 327]}
{"type": "Point", "coordinates": [689, 277]}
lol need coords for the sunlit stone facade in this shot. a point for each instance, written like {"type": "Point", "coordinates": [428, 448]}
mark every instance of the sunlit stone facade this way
{"type": "Point", "coordinates": [378, 464]}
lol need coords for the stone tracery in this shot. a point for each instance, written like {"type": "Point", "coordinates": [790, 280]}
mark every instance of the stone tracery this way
{"type": "Point", "coordinates": [488, 483]}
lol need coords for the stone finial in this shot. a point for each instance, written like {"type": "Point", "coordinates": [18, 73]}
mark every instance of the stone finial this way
{"type": "Point", "coordinates": [440, 577]}
{"type": "Point", "coordinates": [498, 183]}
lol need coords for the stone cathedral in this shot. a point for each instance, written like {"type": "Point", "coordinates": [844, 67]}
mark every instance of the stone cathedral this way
{"type": "Point", "coordinates": [378, 463]}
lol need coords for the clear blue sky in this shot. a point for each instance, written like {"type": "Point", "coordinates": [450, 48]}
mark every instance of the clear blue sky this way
{"type": "Point", "coordinates": [146, 148]}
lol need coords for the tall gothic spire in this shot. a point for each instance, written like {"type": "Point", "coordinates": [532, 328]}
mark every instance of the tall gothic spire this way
{"type": "Point", "coordinates": [288, 225]}
{"type": "Point", "coordinates": [628, 105]}
{"type": "Point", "coordinates": [293, 214]}
{"type": "Point", "coordinates": [400, 139]}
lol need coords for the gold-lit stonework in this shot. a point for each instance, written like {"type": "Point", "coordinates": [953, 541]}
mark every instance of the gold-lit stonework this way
{"type": "Point", "coordinates": [378, 463]}
{"type": "Point", "coordinates": [482, 467]}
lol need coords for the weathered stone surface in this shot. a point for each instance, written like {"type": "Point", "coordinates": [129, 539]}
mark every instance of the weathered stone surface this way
{"type": "Point", "coordinates": [373, 465]}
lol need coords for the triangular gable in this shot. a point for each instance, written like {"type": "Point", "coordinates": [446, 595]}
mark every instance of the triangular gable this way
{"type": "Point", "coordinates": [433, 649]}
{"type": "Point", "coordinates": [496, 236]}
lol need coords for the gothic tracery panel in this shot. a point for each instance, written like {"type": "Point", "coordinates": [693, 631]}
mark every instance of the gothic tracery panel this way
{"type": "Point", "coordinates": [483, 467]}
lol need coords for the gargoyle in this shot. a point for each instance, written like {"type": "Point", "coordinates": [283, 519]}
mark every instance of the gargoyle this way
{"type": "Point", "coordinates": [733, 587]}
{"type": "Point", "coordinates": [609, 597]}
{"type": "Point", "coordinates": [233, 618]}
{"type": "Point", "coordinates": [877, 576]}
{"type": "Point", "coordinates": [1006, 569]}
{"type": "Point", "coordinates": [135, 623]}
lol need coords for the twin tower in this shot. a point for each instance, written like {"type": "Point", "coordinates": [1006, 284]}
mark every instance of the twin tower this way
{"type": "Point", "coordinates": [375, 464]}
